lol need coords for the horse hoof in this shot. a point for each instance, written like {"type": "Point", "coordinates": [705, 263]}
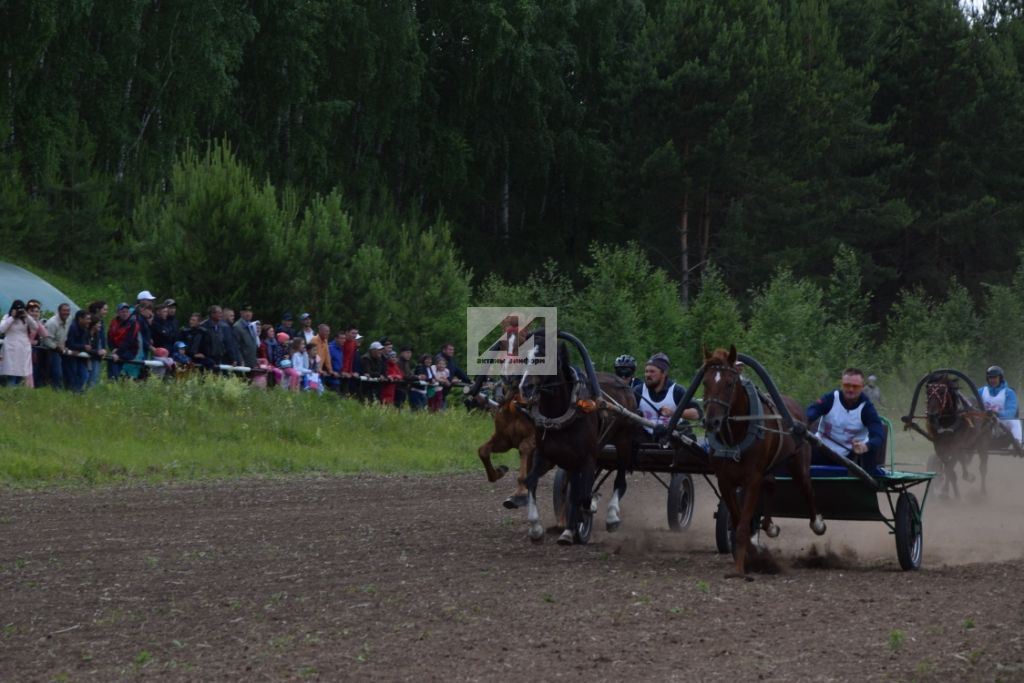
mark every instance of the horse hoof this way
{"type": "Point", "coordinates": [612, 526]}
{"type": "Point", "coordinates": [565, 538]}
{"type": "Point", "coordinates": [503, 469]}
{"type": "Point", "coordinates": [536, 532]}
{"type": "Point", "coordinates": [773, 531]}
{"type": "Point", "coordinates": [818, 526]}
{"type": "Point", "coordinates": [513, 502]}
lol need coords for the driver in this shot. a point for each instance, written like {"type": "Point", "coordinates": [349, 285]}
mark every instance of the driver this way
{"type": "Point", "coordinates": [1000, 399]}
{"type": "Point", "coordinates": [658, 396]}
{"type": "Point", "coordinates": [625, 369]}
{"type": "Point", "coordinates": [849, 425]}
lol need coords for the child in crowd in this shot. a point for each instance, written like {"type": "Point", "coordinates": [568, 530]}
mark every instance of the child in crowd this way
{"type": "Point", "coordinates": [311, 380]}
{"type": "Point", "coordinates": [300, 363]}
{"type": "Point", "coordinates": [418, 392]}
{"type": "Point", "coordinates": [392, 373]}
{"type": "Point", "coordinates": [441, 376]}
{"type": "Point", "coordinates": [291, 377]}
{"type": "Point", "coordinates": [166, 363]}
{"type": "Point", "coordinates": [180, 354]}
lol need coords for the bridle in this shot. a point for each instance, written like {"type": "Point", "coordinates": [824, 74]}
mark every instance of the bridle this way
{"type": "Point", "coordinates": [729, 384]}
{"type": "Point", "coordinates": [942, 393]}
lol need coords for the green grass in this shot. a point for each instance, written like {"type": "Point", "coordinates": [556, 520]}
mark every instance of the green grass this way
{"type": "Point", "coordinates": [220, 428]}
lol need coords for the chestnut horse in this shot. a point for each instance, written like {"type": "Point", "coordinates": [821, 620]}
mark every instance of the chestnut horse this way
{"type": "Point", "coordinates": [761, 446]}
{"type": "Point", "coordinates": [512, 429]}
{"type": "Point", "coordinates": [956, 429]}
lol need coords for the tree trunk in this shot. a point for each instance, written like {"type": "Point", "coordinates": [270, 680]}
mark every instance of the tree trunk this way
{"type": "Point", "coordinates": [504, 194]}
{"type": "Point", "coordinates": [684, 237]}
{"type": "Point", "coordinates": [684, 250]}
{"type": "Point", "coordinates": [705, 226]}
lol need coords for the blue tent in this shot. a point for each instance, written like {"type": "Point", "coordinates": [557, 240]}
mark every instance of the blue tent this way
{"type": "Point", "coordinates": [18, 283]}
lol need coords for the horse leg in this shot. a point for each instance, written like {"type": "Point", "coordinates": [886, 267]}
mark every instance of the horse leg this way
{"type": "Point", "coordinates": [800, 469]}
{"type": "Point", "coordinates": [965, 460]}
{"type": "Point", "coordinates": [951, 478]}
{"type": "Point", "coordinates": [518, 499]}
{"type": "Point", "coordinates": [983, 468]}
{"type": "Point", "coordinates": [613, 518]}
{"type": "Point", "coordinates": [573, 506]}
{"type": "Point", "coordinates": [493, 474]}
{"type": "Point", "coordinates": [536, 529]}
{"type": "Point", "coordinates": [768, 525]}
{"type": "Point", "coordinates": [742, 529]}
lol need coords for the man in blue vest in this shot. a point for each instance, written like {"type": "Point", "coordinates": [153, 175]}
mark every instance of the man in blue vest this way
{"type": "Point", "coordinates": [850, 425]}
{"type": "Point", "coordinates": [1000, 399]}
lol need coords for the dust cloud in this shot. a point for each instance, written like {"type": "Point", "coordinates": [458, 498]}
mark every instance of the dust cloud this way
{"type": "Point", "coordinates": [972, 529]}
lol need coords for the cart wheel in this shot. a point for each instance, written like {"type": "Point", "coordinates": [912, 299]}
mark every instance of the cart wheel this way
{"type": "Point", "coordinates": [723, 534]}
{"type": "Point", "coordinates": [580, 521]}
{"type": "Point", "coordinates": [909, 531]}
{"type": "Point", "coordinates": [680, 502]}
{"type": "Point", "coordinates": [559, 487]}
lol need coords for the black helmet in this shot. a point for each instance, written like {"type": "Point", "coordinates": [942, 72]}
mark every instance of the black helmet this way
{"type": "Point", "coordinates": [625, 365]}
{"type": "Point", "coordinates": [994, 371]}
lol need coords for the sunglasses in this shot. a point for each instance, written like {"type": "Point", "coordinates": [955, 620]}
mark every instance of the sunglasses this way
{"type": "Point", "coordinates": [851, 387]}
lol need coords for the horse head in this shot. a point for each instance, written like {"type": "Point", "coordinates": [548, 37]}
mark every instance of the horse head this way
{"type": "Point", "coordinates": [722, 397]}
{"type": "Point", "coordinates": [941, 408]}
{"type": "Point", "coordinates": [552, 390]}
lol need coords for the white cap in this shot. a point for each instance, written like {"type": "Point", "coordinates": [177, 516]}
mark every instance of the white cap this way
{"type": "Point", "coordinates": [145, 295]}
{"type": "Point", "coordinates": [376, 345]}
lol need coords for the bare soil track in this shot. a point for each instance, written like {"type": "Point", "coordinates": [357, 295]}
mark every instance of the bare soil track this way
{"type": "Point", "coordinates": [428, 578]}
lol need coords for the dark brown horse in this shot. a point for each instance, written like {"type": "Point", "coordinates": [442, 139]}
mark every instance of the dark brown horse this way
{"type": "Point", "coordinates": [570, 428]}
{"type": "Point", "coordinates": [759, 445]}
{"type": "Point", "coordinates": [957, 430]}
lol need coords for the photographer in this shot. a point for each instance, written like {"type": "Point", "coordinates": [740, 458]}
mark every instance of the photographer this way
{"type": "Point", "coordinates": [17, 326]}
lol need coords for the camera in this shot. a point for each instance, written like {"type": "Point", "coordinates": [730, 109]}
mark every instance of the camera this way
{"type": "Point", "coordinates": [19, 312]}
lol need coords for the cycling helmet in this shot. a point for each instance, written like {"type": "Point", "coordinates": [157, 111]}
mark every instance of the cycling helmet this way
{"type": "Point", "coordinates": [994, 371]}
{"type": "Point", "coordinates": [625, 365]}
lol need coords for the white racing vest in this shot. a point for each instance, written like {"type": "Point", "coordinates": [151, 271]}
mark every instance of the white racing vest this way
{"type": "Point", "coordinates": [841, 427]}
{"type": "Point", "coordinates": [993, 402]}
{"type": "Point", "coordinates": [996, 403]}
{"type": "Point", "coordinates": [652, 410]}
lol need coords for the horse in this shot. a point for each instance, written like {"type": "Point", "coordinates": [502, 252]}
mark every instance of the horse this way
{"type": "Point", "coordinates": [569, 431]}
{"type": "Point", "coordinates": [760, 448]}
{"type": "Point", "coordinates": [512, 429]}
{"type": "Point", "coordinates": [956, 429]}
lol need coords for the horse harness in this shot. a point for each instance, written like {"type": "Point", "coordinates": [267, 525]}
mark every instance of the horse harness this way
{"type": "Point", "coordinates": [564, 420]}
{"type": "Point", "coordinates": [757, 401]}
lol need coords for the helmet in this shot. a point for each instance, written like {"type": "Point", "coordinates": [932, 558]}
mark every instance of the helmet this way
{"type": "Point", "coordinates": [994, 371]}
{"type": "Point", "coordinates": [625, 365]}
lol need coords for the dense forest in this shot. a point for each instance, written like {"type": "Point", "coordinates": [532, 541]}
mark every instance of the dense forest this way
{"type": "Point", "coordinates": [391, 162]}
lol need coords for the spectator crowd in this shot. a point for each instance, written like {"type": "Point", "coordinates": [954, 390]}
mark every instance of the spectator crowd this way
{"type": "Point", "coordinates": [146, 340]}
